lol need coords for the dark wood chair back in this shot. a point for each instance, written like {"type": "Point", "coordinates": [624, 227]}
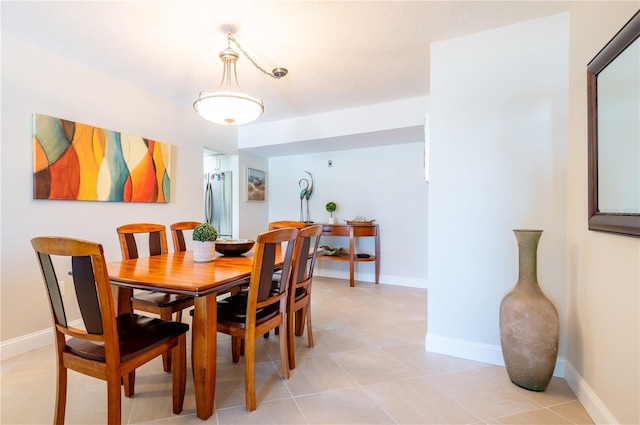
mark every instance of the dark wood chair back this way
{"type": "Point", "coordinates": [283, 224]}
{"type": "Point", "coordinates": [306, 253]}
{"type": "Point", "coordinates": [264, 265]}
{"type": "Point", "coordinates": [299, 292]}
{"type": "Point", "coordinates": [157, 239]}
{"type": "Point", "coordinates": [177, 234]}
{"type": "Point", "coordinates": [88, 270]}
{"type": "Point", "coordinates": [107, 347]}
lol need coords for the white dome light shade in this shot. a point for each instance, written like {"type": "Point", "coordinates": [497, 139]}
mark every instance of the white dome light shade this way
{"type": "Point", "coordinates": [228, 107]}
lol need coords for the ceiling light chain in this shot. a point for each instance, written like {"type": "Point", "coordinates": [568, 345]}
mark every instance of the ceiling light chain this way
{"type": "Point", "coordinates": [277, 73]}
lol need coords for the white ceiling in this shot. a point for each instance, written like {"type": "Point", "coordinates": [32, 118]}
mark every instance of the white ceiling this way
{"type": "Point", "coordinates": [339, 54]}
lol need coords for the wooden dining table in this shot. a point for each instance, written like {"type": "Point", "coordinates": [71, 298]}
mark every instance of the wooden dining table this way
{"type": "Point", "coordinates": [177, 273]}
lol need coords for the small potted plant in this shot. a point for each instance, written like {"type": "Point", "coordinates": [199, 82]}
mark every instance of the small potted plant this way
{"type": "Point", "coordinates": [204, 242]}
{"type": "Point", "coordinates": [331, 207]}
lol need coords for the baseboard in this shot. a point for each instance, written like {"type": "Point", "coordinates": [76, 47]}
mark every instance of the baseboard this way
{"type": "Point", "coordinates": [587, 397]}
{"type": "Point", "coordinates": [24, 344]}
{"type": "Point", "coordinates": [370, 277]}
{"type": "Point", "coordinates": [480, 352]}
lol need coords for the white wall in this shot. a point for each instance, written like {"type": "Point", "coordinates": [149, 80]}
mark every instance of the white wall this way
{"type": "Point", "coordinates": [382, 183]}
{"type": "Point", "coordinates": [603, 334]}
{"type": "Point", "coordinates": [498, 162]}
{"type": "Point", "coordinates": [35, 81]}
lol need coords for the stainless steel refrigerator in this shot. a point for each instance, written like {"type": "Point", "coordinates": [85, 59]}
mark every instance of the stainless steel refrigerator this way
{"type": "Point", "coordinates": [217, 202]}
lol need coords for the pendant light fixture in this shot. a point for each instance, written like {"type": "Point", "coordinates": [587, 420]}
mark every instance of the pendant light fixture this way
{"type": "Point", "coordinates": [228, 105]}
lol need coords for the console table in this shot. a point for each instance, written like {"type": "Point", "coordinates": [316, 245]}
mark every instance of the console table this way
{"type": "Point", "coordinates": [354, 231]}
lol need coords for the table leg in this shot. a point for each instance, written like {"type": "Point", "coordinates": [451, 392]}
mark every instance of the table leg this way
{"type": "Point", "coordinates": [203, 346]}
{"type": "Point", "coordinates": [124, 300]}
{"type": "Point", "coordinates": [352, 256]}
{"type": "Point", "coordinates": [123, 306]}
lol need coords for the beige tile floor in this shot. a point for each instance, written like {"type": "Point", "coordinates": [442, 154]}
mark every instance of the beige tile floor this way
{"type": "Point", "coordinates": [369, 366]}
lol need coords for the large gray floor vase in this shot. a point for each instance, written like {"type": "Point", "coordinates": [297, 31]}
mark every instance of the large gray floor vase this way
{"type": "Point", "coordinates": [529, 322]}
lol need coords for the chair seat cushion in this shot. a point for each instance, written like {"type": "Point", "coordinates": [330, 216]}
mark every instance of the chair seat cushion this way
{"type": "Point", "coordinates": [136, 333]}
{"type": "Point", "coordinates": [300, 293]}
{"type": "Point", "coordinates": [162, 299]}
{"type": "Point", "coordinates": [234, 309]}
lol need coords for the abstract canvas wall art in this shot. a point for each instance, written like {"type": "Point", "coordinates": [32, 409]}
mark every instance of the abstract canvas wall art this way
{"type": "Point", "coordinates": [75, 161]}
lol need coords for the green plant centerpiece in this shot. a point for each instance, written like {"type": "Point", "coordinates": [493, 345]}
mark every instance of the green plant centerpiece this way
{"type": "Point", "coordinates": [204, 238]}
{"type": "Point", "coordinates": [204, 232]}
{"type": "Point", "coordinates": [331, 207]}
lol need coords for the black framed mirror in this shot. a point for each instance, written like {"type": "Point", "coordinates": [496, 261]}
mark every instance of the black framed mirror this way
{"type": "Point", "coordinates": [613, 89]}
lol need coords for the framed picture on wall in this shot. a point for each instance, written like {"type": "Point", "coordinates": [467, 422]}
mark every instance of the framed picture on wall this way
{"type": "Point", "coordinates": [256, 185]}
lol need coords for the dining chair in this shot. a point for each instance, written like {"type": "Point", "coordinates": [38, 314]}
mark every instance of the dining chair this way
{"type": "Point", "coordinates": [160, 303]}
{"type": "Point", "coordinates": [104, 346]}
{"type": "Point", "coordinates": [299, 292]}
{"type": "Point", "coordinates": [177, 234]}
{"type": "Point", "coordinates": [249, 314]}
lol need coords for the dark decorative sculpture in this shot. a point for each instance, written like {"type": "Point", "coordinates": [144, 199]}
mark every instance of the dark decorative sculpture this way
{"type": "Point", "coordinates": [305, 193]}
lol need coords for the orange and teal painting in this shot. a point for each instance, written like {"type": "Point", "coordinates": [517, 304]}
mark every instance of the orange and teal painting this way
{"type": "Point", "coordinates": [77, 161]}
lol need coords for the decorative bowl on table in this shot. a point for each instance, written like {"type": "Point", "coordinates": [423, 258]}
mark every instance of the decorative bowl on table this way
{"type": "Point", "coordinates": [360, 221]}
{"type": "Point", "coordinates": [234, 247]}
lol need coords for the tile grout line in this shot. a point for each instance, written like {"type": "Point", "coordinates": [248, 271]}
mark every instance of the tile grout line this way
{"type": "Point", "coordinates": [364, 390]}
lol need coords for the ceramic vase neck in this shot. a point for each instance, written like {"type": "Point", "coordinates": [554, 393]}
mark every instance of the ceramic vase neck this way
{"type": "Point", "coordinates": [528, 256]}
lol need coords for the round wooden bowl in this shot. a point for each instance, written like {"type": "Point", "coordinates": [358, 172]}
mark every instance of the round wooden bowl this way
{"type": "Point", "coordinates": [234, 247]}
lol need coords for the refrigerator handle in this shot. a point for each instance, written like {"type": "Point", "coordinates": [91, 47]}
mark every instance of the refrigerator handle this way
{"type": "Point", "coordinates": [208, 203]}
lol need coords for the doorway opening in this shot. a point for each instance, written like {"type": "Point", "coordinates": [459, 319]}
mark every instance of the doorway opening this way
{"type": "Point", "coordinates": [218, 191]}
